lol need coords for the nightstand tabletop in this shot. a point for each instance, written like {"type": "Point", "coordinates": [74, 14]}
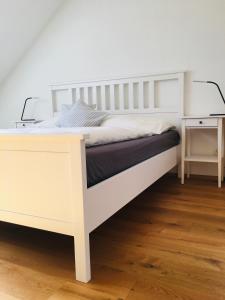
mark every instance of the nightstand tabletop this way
{"type": "Point", "coordinates": [203, 117]}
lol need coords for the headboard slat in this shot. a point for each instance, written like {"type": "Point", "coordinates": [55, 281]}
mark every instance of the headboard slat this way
{"type": "Point", "coordinates": [141, 97]}
{"type": "Point", "coordinates": [103, 98]}
{"type": "Point", "coordinates": [94, 95]}
{"type": "Point", "coordinates": [112, 97]}
{"type": "Point", "coordinates": [86, 95]}
{"type": "Point", "coordinates": [131, 97]}
{"type": "Point", "coordinates": [121, 97]}
{"type": "Point", "coordinates": [151, 94]}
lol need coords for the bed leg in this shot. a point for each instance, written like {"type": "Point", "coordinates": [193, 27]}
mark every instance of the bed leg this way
{"type": "Point", "coordinates": [82, 257]}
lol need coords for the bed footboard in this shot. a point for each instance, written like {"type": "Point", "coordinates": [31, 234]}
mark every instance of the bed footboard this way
{"type": "Point", "coordinates": [43, 185]}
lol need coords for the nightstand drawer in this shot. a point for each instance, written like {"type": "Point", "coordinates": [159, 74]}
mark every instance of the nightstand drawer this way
{"type": "Point", "coordinates": [22, 125]}
{"type": "Point", "coordinates": [204, 122]}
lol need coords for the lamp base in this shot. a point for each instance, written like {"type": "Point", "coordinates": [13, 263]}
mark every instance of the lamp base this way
{"type": "Point", "coordinates": [27, 120]}
{"type": "Point", "coordinates": [214, 115]}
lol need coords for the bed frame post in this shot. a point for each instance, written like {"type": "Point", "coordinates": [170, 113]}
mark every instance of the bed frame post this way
{"type": "Point", "coordinates": [78, 194]}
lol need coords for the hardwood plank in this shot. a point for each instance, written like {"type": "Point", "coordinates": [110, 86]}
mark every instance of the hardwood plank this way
{"type": "Point", "coordinates": [23, 283]}
{"type": "Point", "coordinates": [3, 296]}
{"type": "Point", "coordinates": [160, 290]}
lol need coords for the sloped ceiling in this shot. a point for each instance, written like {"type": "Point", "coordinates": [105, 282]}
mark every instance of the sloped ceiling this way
{"type": "Point", "coordinates": [20, 23]}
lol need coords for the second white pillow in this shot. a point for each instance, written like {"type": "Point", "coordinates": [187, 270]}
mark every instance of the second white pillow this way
{"type": "Point", "coordinates": [152, 125]}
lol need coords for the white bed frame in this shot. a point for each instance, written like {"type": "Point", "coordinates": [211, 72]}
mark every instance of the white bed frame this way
{"type": "Point", "coordinates": [43, 180]}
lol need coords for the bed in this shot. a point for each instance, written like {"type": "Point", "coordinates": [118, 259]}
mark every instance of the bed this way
{"type": "Point", "coordinates": [46, 181]}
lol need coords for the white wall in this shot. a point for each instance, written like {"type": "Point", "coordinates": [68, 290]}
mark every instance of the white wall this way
{"type": "Point", "coordinates": [102, 38]}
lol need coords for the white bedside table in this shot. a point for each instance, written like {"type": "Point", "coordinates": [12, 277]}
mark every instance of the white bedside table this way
{"type": "Point", "coordinates": [195, 123]}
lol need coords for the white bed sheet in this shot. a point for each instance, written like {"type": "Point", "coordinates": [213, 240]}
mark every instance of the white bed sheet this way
{"type": "Point", "coordinates": [95, 135]}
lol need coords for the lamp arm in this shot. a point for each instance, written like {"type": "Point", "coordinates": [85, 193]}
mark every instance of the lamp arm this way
{"type": "Point", "coordinates": [221, 94]}
{"type": "Point", "coordinates": [24, 106]}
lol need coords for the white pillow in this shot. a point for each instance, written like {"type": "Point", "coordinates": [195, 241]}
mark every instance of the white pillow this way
{"type": "Point", "coordinates": [52, 122]}
{"type": "Point", "coordinates": [152, 125]}
{"type": "Point", "coordinates": [80, 115]}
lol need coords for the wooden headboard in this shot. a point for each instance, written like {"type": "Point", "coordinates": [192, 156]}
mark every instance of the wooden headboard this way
{"type": "Point", "coordinates": [145, 94]}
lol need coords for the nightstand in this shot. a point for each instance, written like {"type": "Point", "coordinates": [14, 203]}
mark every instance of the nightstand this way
{"type": "Point", "coordinates": [195, 123]}
{"type": "Point", "coordinates": [24, 124]}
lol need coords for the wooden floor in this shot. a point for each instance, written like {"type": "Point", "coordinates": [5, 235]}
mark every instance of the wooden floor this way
{"type": "Point", "coordinates": [169, 243]}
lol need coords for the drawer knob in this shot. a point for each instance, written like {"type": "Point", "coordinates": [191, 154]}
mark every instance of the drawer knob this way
{"type": "Point", "coordinates": [200, 122]}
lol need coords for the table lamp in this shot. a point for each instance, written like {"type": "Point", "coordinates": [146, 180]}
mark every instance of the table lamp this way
{"type": "Point", "coordinates": [221, 94]}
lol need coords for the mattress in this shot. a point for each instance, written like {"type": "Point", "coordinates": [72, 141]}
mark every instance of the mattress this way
{"type": "Point", "coordinates": [104, 161]}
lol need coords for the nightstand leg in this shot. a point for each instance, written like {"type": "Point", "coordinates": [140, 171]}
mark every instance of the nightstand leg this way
{"type": "Point", "coordinates": [183, 146]}
{"type": "Point", "coordinates": [223, 137]}
{"type": "Point", "coordinates": [220, 143]}
{"type": "Point", "coordinates": [188, 151]}
{"type": "Point", "coordinates": [222, 171]}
